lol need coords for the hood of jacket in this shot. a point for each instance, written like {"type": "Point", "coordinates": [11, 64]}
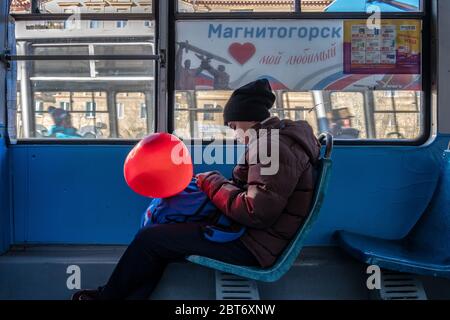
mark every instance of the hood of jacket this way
{"type": "Point", "coordinates": [299, 131]}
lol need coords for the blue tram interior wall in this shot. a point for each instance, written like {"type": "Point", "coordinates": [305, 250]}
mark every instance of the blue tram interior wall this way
{"type": "Point", "coordinates": [4, 196]}
{"type": "Point", "coordinates": [74, 194]}
{"type": "Point", "coordinates": [4, 180]}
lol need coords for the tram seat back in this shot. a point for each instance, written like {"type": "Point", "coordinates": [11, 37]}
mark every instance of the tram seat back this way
{"type": "Point", "coordinates": [425, 250]}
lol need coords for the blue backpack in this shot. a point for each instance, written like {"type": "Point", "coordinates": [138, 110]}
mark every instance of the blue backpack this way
{"type": "Point", "coordinates": [192, 205]}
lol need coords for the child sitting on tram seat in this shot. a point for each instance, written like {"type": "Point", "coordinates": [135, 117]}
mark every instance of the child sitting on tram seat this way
{"type": "Point", "coordinates": [272, 204]}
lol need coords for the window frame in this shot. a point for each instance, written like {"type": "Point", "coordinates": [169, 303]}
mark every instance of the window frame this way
{"type": "Point", "coordinates": [297, 10]}
{"type": "Point", "coordinates": [172, 16]}
{"type": "Point", "coordinates": [84, 16]}
{"type": "Point", "coordinates": [102, 17]}
{"type": "Point", "coordinates": [428, 66]}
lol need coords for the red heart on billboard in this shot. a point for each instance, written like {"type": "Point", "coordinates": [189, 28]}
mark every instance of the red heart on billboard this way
{"type": "Point", "coordinates": [242, 52]}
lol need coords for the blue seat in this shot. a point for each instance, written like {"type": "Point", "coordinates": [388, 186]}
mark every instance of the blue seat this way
{"type": "Point", "coordinates": [290, 254]}
{"type": "Point", "coordinates": [426, 248]}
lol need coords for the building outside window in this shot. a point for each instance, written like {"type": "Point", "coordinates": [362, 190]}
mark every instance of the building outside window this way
{"type": "Point", "coordinates": [331, 72]}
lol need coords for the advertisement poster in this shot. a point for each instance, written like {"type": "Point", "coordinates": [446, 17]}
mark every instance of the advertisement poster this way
{"type": "Point", "coordinates": [294, 55]}
{"type": "Point", "coordinates": [395, 48]}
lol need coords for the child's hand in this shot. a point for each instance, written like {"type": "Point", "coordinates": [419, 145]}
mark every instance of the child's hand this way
{"type": "Point", "coordinates": [200, 177]}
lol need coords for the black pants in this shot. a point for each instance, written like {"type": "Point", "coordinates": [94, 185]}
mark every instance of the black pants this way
{"type": "Point", "coordinates": [144, 261]}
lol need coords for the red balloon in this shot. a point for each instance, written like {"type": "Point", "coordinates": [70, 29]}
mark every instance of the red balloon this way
{"type": "Point", "coordinates": [159, 166]}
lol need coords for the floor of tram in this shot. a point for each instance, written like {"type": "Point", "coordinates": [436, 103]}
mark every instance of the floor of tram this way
{"type": "Point", "coordinates": [41, 272]}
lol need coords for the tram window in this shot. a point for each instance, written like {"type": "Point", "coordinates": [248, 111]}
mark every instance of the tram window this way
{"type": "Point", "coordinates": [346, 116]}
{"type": "Point", "coordinates": [83, 6]}
{"type": "Point", "coordinates": [366, 5]}
{"type": "Point", "coordinates": [398, 114]}
{"type": "Point", "coordinates": [334, 61]}
{"type": "Point", "coordinates": [76, 79]}
{"type": "Point", "coordinates": [48, 50]}
{"type": "Point", "coordinates": [129, 68]}
{"type": "Point", "coordinates": [132, 114]}
{"type": "Point", "coordinates": [297, 5]}
{"type": "Point", "coordinates": [89, 112]}
{"type": "Point", "coordinates": [20, 7]}
{"type": "Point", "coordinates": [123, 48]}
{"type": "Point", "coordinates": [86, 110]}
{"type": "Point", "coordinates": [198, 114]}
{"type": "Point", "coordinates": [297, 106]}
{"type": "Point", "coordinates": [60, 68]}
{"type": "Point", "coordinates": [236, 6]}
{"type": "Point", "coordinates": [331, 78]}
{"type": "Point", "coordinates": [87, 92]}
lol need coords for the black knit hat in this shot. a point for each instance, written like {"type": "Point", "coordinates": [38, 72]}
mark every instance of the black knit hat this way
{"type": "Point", "coordinates": [250, 102]}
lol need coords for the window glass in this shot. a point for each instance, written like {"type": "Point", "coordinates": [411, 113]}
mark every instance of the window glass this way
{"type": "Point", "coordinates": [198, 114]}
{"type": "Point", "coordinates": [297, 106]}
{"type": "Point", "coordinates": [62, 68]}
{"type": "Point", "coordinates": [347, 119]}
{"type": "Point", "coordinates": [356, 80]}
{"type": "Point", "coordinates": [366, 6]}
{"type": "Point", "coordinates": [88, 118]}
{"type": "Point", "coordinates": [132, 114]}
{"type": "Point", "coordinates": [326, 72]}
{"type": "Point", "coordinates": [87, 108]}
{"type": "Point", "coordinates": [78, 32]}
{"type": "Point", "coordinates": [78, 79]}
{"type": "Point", "coordinates": [142, 48]}
{"type": "Point", "coordinates": [398, 114]}
{"type": "Point", "coordinates": [205, 6]}
{"type": "Point", "coordinates": [66, 50]}
{"type": "Point", "coordinates": [82, 6]}
{"type": "Point", "coordinates": [129, 68]}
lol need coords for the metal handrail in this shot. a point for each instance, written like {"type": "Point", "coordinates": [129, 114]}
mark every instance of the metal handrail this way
{"type": "Point", "coordinates": [327, 138]}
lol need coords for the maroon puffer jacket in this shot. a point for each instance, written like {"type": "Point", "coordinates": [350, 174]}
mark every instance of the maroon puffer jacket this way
{"type": "Point", "coordinates": [273, 207]}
